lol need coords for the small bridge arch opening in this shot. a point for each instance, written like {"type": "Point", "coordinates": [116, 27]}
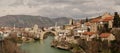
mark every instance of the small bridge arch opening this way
{"type": "Point", "coordinates": [48, 33]}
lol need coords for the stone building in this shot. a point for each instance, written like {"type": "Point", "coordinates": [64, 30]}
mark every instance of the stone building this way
{"type": "Point", "coordinates": [107, 36]}
{"type": "Point", "coordinates": [104, 21]}
{"type": "Point", "coordinates": [107, 19]}
{"type": "Point", "coordinates": [94, 24]}
{"type": "Point", "coordinates": [88, 36]}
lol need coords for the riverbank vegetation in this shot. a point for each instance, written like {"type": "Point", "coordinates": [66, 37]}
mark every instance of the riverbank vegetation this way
{"type": "Point", "coordinates": [8, 46]}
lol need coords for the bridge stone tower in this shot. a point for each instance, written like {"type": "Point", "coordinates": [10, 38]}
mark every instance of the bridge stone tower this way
{"type": "Point", "coordinates": [35, 27]}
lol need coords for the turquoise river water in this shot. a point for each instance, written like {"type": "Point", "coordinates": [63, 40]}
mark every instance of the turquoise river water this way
{"type": "Point", "coordinates": [42, 46]}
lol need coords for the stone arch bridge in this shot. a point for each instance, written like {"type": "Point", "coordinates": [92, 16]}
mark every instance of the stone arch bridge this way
{"type": "Point", "coordinates": [47, 31]}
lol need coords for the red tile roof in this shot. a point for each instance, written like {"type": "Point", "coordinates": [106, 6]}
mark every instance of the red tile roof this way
{"type": "Point", "coordinates": [104, 35]}
{"type": "Point", "coordinates": [89, 33]}
{"type": "Point", "coordinates": [2, 30]}
{"type": "Point", "coordinates": [94, 20]}
{"type": "Point", "coordinates": [106, 19]}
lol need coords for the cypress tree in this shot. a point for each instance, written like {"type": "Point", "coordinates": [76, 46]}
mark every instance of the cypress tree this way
{"type": "Point", "coordinates": [116, 19]}
{"type": "Point", "coordinates": [86, 20]}
{"type": "Point", "coordinates": [119, 22]}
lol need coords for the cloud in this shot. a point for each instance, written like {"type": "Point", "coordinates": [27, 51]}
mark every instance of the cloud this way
{"type": "Point", "coordinates": [59, 8]}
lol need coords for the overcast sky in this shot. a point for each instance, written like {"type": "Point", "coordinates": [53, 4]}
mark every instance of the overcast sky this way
{"type": "Point", "coordinates": [59, 8]}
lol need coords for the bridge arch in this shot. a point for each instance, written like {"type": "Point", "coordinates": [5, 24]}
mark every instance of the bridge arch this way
{"type": "Point", "coordinates": [43, 34]}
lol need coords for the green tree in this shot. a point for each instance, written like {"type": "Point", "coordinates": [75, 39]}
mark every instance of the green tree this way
{"type": "Point", "coordinates": [116, 22]}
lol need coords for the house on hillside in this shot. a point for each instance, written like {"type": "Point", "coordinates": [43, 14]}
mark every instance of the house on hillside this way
{"type": "Point", "coordinates": [89, 36]}
{"type": "Point", "coordinates": [88, 25]}
{"type": "Point", "coordinates": [107, 36]}
{"type": "Point", "coordinates": [94, 24]}
{"type": "Point", "coordinates": [105, 21]}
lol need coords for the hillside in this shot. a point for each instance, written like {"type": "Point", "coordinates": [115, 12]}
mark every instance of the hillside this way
{"type": "Point", "coordinates": [61, 20]}
{"type": "Point", "coordinates": [25, 21]}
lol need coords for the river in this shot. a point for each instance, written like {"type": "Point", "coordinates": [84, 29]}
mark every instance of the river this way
{"type": "Point", "coordinates": [42, 46]}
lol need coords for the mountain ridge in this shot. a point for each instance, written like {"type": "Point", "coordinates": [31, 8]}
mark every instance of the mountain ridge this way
{"type": "Point", "coordinates": [30, 20]}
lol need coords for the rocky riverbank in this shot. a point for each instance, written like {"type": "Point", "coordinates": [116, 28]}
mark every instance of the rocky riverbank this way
{"type": "Point", "coordinates": [64, 44]}
{"type": "Point", "coordinates": [82, 46]}
{"type": "Point", "coordinates": [60, 45]}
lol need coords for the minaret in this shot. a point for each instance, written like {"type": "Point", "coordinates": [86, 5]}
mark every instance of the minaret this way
{"type": "Point", "coordinates": [56, 24]}
{"type": "Point", "coordinates": [14, 27]}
